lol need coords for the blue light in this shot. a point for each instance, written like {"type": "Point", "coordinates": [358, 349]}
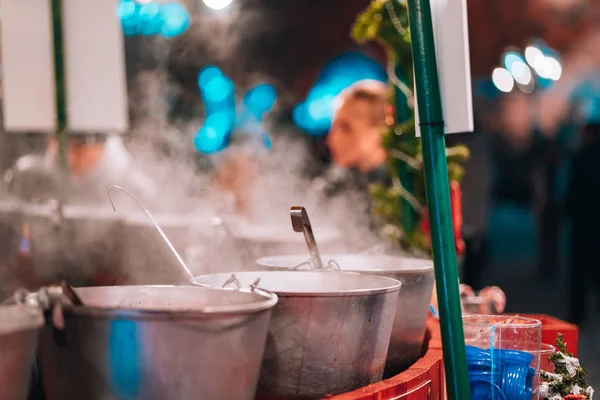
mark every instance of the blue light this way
{"type": "Point", "coordinates": [149, 20]}
{"type": "Point", "coordinates": [176, 19]}
{"type": "Point", "coordinates": [321, 108]}
{"type": "Point", "coordinates": [207, 140]}
{"type": "Point", "coordinates": [218, 90]}
{"type": "Point", "coordinates": [128, 13]}
{"type": "Point", "coordinates": [220, 121]}
{"type": "Point", "coordinates": [218, 94]}
{"type": "Point", "coordinates": [211, 137]}
{"type": "Point", "coordinates": [207, 74]}
{"type": "Point", "coordinates": [304, 121]}
{"type": "Point", "coordinates": [314, 115]}
{"type": "Point", "coordinates": [260, 99]}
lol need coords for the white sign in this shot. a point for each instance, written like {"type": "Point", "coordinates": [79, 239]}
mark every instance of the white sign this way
{"type": "Point", "coordinates": [28, 90]}
{"type": "Point", "coordinates": [94, 66]}
{"type": "Point", "coordinates": [451, 35]}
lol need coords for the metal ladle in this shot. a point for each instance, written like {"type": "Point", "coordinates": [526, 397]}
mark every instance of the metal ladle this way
{"type": "Point", "coordinates": [158, 228]}
{"type": "Point", "coordinates": [301, 223]}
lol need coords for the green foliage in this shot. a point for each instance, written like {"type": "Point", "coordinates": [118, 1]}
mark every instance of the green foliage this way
{"type": "Point", "coordinates": [571, 374]}
{"type": "Point", "coordinates": [399, 208]}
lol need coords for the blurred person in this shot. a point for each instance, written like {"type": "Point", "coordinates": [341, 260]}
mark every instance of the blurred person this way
{"type": "Point", "coordinates": [476, 199]}
{"type": "Point", "coordinates": [236, 172]}
{"type": "Point", "coordinates": [538, 154]}
{"type": "Point", "coordinates": [363, 113]}
{"type": "Point", "coordinates": [95, 162]}
{"type": "Point", "coordinates": [582, 208]}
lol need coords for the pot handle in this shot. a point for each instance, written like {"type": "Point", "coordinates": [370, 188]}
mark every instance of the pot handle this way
{"type": "Point", "coordinates": [51, 301]}
{"type": "Point", "coordinates": [233, 280]}
{"type": "Point", "coordinates": [332, 265]}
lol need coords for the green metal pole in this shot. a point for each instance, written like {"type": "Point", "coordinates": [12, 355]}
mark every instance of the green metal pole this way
{"type": "Point", "coordinates": [61, 106]}
{"type": "Point", "coordinates": [438, 198]}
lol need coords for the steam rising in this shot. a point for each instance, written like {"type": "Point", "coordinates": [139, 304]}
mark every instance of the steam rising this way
{"type": "Point", "coordinates": [183, 196]}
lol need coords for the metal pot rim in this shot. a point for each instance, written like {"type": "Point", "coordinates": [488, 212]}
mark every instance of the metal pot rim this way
{"type": "Point", "coordinates": [393, 285]}
{"type": "Point", "coordinates": [289, 261]}
{"type": "Point", "coordinates": [20, 317]}
{"type": "Point", "coordinates": [269, 300]}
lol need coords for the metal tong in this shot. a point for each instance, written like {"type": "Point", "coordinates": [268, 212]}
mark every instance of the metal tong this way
{"type": "Point", "coordinates": [301, 223]}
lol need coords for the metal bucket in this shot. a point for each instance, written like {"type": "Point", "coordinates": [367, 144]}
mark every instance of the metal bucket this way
{"type": "Point", "coordinates": [76, 247]}
{"type": "Point", "coordinates": [10, 236]}
{"type": "Point", "coordinates": [158, 342]}
{"type": "Point", "coordinates": [329, 333]}
{"type": "Point", "coordinates": [19, 328]}
{"type": "Point", "coordinates": [417, 280]}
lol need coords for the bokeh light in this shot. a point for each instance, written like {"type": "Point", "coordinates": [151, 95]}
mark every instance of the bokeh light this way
{"type": "Point", "coordinates": [149, 19]}
{"type": "Point", "coordinates": [503, 80]}
{"type": "Point", "coordinates": [176, 19]}
{"type": "Point", "coordinates": [217, 4]}
{"type": "Point", "coordinates": [218, 89]}
{"type": "Point", "coordinates": [218, 94]}
{"type": "Point", "coordinates": [128, 11]}
{"type": "Point", "coordinates": [511, 58]}
{"type": "Point", "coordinates": [521, 73]}
{"type": "Point", "coordinates": [315, 113]}
{"type": "Point", "coordinates": [260, 99]}
{"type": "Point", "coordinates": [207, 74]}
{"type": "Point", "coordinates": [212, 136]}
{"type": "Point", "coordinates": [146, 17]}
{"type": "Point", "coordinates": [554, 68]}
{"type": "Point", "coordinates": [532, 55]}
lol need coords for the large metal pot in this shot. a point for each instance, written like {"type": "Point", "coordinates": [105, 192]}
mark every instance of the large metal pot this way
{"type": "Point", "coordinates": [158, 342]}
{"type": "Point", "coordinates": [77, 245]}
{"type": "Point", "coordinates": [329, 333]}
{"type": "Point", "coordinates": [10, 235]}
{"type": "Point", "coordinates": [417, 280]}
{"type": "Point", "coordinates": [19, 328]}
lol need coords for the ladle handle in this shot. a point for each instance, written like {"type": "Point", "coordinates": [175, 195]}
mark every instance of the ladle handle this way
{"type": "Point", "coordinates": [301, 223]}
{"type": "Point", "coordinates": [158, 228]}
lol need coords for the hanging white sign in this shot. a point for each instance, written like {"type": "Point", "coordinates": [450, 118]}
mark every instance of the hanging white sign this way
{"type": "Point", "coordinates": [27, 85]}
{"type": "Point", "coordinates": [94, 66]}
{"type": "Point", "coordinates": [451, 34]}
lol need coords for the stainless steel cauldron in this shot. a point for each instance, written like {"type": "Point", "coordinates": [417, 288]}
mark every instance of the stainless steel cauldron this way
{"type": "Point", "coordinates": [80, 244]}
{"type": "Point", "coordinates": [157, 343]}
{"type": "Point", "coordinates": [417, 280]}
{"type": "Point", "coordinates": [10, 235]}
{"type": "Point", "coordinates": [19, 328]}
{"type": "Point", "coordinates": [329, 333]}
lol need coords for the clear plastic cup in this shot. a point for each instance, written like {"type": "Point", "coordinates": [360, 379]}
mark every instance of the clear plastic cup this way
{"type": "Point", "coordinates": [546, 351]}
{"type": "Point", "coordinates": [503, 356]}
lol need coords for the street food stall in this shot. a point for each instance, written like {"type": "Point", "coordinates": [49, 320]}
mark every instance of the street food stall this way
{"type": "Point", "coordinates": [127, 304]}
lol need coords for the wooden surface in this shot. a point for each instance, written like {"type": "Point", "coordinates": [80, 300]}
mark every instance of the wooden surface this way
{"type": "Point", "coordinates": [425, 379]}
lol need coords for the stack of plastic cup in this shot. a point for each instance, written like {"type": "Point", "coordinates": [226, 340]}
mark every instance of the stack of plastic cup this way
{"type": "Point", "coordinates": [503, 356]}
